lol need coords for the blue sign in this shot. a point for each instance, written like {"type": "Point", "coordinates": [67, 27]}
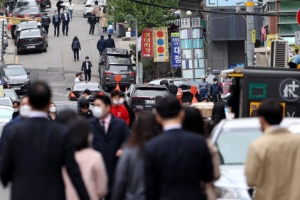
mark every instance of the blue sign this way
{"type": "Point", "coordinates": [175, 49]}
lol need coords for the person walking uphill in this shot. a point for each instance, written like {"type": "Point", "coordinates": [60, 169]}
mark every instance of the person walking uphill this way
{"type": "Point", "coordinates": [109, 42]}
{"type": "Point", "coordinates": [203, 88]}
{"type": "Point", "coordinates": [70, 9]}
{"type": "Point", "coordinates": [87, 68]}
{"type": "Point", "coordinates": [101, 45]}
{"type": "Point", "coordinates": [76, 47]}
{"type": "Point", "coordinates": [104, 20]}
{"type": "Point", "coordinates": [46, 21]}
{"type": "Point", "coordinates": [58, 5]}
{"type": "Point", "coordinates": [97, 13]}
{"type": "Point", "coordinates": [56, 23]}
{"type": "Point", "coordinates": [65, 18]}
{"type": "Point", "coordinates": [92, 21]}
{"type": "Point", "coordinates": [215, 91]}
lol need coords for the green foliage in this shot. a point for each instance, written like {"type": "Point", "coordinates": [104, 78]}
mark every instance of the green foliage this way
{"type": "Point", "coordinates": [148, 16]}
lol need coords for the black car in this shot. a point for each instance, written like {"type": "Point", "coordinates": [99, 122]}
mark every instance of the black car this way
{"type": "Point", "coordinates": [16, 78]}
{"type": "Point", "coordinates": [61, 106]}
{"type": "Point", "coordinates": [26, 26]}
{"type": "Point", "coordinates": [144, 95]}
{"type": "Point", "coordinates": [79, 87]}
{"type": "Point", "coordinates": [34, 12]}
{"type": "Point", "coordinates": [32, 39]}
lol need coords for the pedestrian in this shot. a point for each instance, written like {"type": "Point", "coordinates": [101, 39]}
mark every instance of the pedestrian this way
{"type": "Point", "coordinates": [87, 68]}
{"type": "Point", "coordinates": [76, 47]}
{"type": "Point", "coordinates": [123, 102]}
{"type": "Point", "coordinates": [65, 18]}
{"type": "Point", "coordinates": [137, 111]}
{"type": "Point", "coordinates": [101, 45]}
{"type": "Point", "coordinates": [176, 161]}
{"type": "Point", "coordinates": [85, 95]}
{"type": "Point", "coordinates": [78, 77]}
{"type": "Point", "coordinates": [173, 88]}
{"type": "Point", "coordinates": [90, 162]}
{"type": "Point", "coordinates": [52, 111]}
{"type": "Point", "coordinates": [109, 135]}
{"type": "Point", "coordinates": [193, 122]}
{"type": "Point", "coordinates": [204, 88]}
{"type": "Point", "coordinates": [92, 21]}
{"type": "Point", "coordinates": [97, 12]}
{"type": "Point", "coordinates": [66, 117]}
{"type": "Point", "coordinates": [273, 159]}
{"type": "Point", "coordinates": [205, 100]}
{"type": "Point", "coordinates": [58, 5]}
{"type": "Point", "coordinates": [117, 109]}
{"type": "Point", "coordinates": [46, 21]}
{"type": "Point", "coordinates": [16, 106]}
{"type": "Point", "coordinates": [56, 23]}
{"type": "Point", "coordinates": [110, 42]}
{"type": "Point", "coordinates": [43, 148]}
{"type": "Point", "coordinates": [218, 114]}
{"type": "Point", "coordinates": [129, 177]}
{"type": "Point", "coordinates": [104, 20]}
{"type": "Point", "coordinates": [85, 111]}
{"type": "Point", "coordinates": [70, 9]}
{"type": "Point", "coordinates": [215, 91]}
{"type": "Point", "coordinates": [254, 113]}
{"type": "Point", "coordinates": [165, 82]}
{"type": "Point", "coordinates": [233, 102]}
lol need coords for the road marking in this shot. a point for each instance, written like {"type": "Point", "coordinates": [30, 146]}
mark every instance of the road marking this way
{"type": "Point", "coordinates": [16, 59]}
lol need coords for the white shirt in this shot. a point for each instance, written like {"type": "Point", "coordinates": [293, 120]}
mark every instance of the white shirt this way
{"type": "Point", "coordinates": [41, 114]}
{"type": "Point", "coordinates": [70, 6]}
{"type": "Point", "coordinates": [172, 126]}
{"type": "Point", "coordinates": [87, 64]}
{"type": "Point", "coordinates": [66, 16]}
{"type": "Point", "coordinates": [76, 80]}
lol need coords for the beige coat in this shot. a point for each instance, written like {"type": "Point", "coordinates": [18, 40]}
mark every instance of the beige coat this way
{"type": "Point", "coordinates": [273, 165]}
{"type": "Point", "coordinates": [97, 11]}
{"type": "Point", "coordinates": [93, 173]}
{"type": "Point", "coordinates": [104, 20]}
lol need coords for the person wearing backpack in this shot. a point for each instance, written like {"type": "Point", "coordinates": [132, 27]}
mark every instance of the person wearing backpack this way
{"type": "Point", "coordinates": [76, 47]}
{"type": "Point", "coordinates": [172, 88]}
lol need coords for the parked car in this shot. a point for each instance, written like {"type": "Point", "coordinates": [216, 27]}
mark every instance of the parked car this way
{"type": "Point", "coordinates": [16, 78]}
{"type": "Point", "coordinates": [32, 39]}
{"type": "Point", "coordinates": [144, 95]}
{"type": "Point", "coordinates": [233, 137]}
{"type": "Point", "coordinates": [5, 116]}
{"type": "Point", "coordinates": [33, 12]}
{"type": "Point", "coordinates": [24, 3]}
{"type": "Point", "coordinates": [48, 3]}
{"type": "Point", "coordinates": [89, 6]}
{"type": "Point", "coordinates": [6, 101]}
{"type": "Point", "coordinates": [67, 105]}
{"type": "Point", "coordinates": [79, 87]}
{"type": "Point", "coordinates": [11, 94]}
{"type": "Point", "coordinates": [177, 80]}
{"type": "Point", "coordinates": [27, 25]}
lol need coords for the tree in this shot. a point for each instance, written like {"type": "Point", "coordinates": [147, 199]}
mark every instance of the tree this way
{"type": "Point", "coordinates": [148, 16]}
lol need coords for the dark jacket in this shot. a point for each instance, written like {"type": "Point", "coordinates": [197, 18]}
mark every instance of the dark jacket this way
{"type": "Point", "coordinates": [164, 82]}
{"type": "Point", "coordinates": [34, 153]}
{"type": "Point", "coordinates": [88, 115]}
{"type": "Point", "coordinates": [215, 89]}
{"type": "Point", "coordinates": [65, 20]}
{"type": "Point", "coordinates": [130, 113]}
{"type": "Point", "coordinates": [173, 89]}
{"type": "Point", "coordinates": [101, 45]}
{"type": "Point", "coordinates": [83, 66]}
{"type": "Point", "coordinates": [58, 5]}
{"type": "Point", "coordinates": [175, 166]}
{"type": "Point", "coordinates": [92, 19]}
{"type": "Point", "coordinates": [15, 114]}
{"type": "Point", "coordinates": [110, 43]}
{"type": "Point", "coordinates": [46, 20]}
{"type": "Point", "coordinates": [109, 143]}
{"type": "Point", "coordinates": [53, 20]}
{"type": "Point", "coordinates": [76, 45]}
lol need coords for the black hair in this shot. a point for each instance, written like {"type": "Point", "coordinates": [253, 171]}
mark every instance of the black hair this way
{"type": "Point", "coordinates": [105, 99]}
{"type": "Point", "coordinates": [215, 79]}
{"type": "Point", "coordinates": [75, 38]}
{"type": "Point", "coordinates": [16, 102]}
{"type": "Point", "coordinates": [102, 37]}
{"type": "Point", "coordinates": [193, 121]}
{"type": "Point", "coordinates": [296, 51]}
{"type": "Point", "coordinates": [114, 93]}
{"type": "Point", "coordinates": [39, 94]}
{"type": "Point", "coordinates": [84, 104]}
{"type": "Point", "coordinates": [87, 57]}
{"type": "Point", "coordinates": [66, 116]}
{"type": "Point", "coordinates": [171, 81]}
{"type": "Point", "coordinates": [79, 131]}
{"type": "Point", "coordinates": [272, 111]}
{"type": "Point", "coordinates": [96, 2]}
{"type": "Point", "coordinates": [109, 35]}
{"type": "Point", "coordinates": [87, 91]}
{"type": "Point", "coordinates": [104, 10]}
{"type": "Point", "coordinates": [168, 107]}
{"type": "Point", "coordinates": [218, 113]}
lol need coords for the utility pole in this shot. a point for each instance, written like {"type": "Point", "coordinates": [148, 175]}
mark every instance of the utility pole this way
{"type": "Point", "coordinates": [250, 26]}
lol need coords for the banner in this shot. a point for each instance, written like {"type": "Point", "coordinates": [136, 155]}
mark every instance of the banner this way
{"type": "Point", "coordinates": [160, 44]}
{"type": "Point", "coordinates": [175, 48]}
{"type": "Point", "coordinates": [147, 43]}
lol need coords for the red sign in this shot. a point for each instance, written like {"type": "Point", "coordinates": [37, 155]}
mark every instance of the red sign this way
{"type": "Point", "coordinates": [298, 17]}
{"type": "Point", "coordinates": [147, 43]}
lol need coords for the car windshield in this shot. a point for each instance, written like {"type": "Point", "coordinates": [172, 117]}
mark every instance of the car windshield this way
{"type": "Point", "coordinates": [118, 68]}
{"type": "Point", "coordinates": [120, 60]}
{"type": "Point", "coordinates": [25, 3]}
{"type": "Point", "coordinates": [6, 113]}
{"type": "Point", "coordinates": [27, 25]}
{"type": "Point", "coordinates": [30, 34]}
{"type": "Point", "coordinates": [81, 87]}
{"type": "Point", "coordinates": [14, 71]}
{"type": "Point", "coordinates": [151, 92]}
{"type": "Point", "coordinates": [233, 144]}
{"type": "Point", "coordinates": [11, 94]}
{"type": "Point", "coordinates": [5, 102]}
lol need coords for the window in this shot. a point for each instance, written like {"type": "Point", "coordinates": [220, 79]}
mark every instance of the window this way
{"type": "Point", "coordinates": [118, 68]}
{"type": "Point", "coordinates": [5, 101]}
{"type": "Point", "coordinates": [35, 33]}
{"type": "Point", "coordinates": [288, 28]}
{"type": "Point", "coordinates": [151, 92]}
{"type": "Point", "coordinates": [85, 86]}
{"type": "Point", "coordinates": [11, 94]}
{"type": "Point", "coordinates": [6, 113]}
{"type": "Point", "coordinates": [15, 71]}
{"type": "Point", "coordinates": [289, 5]}
{"type": "Point", "coordinates": [26, 3]}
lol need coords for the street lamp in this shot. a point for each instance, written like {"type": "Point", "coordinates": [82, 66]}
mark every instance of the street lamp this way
{"type": "Point", "coordinates": [189, 13]}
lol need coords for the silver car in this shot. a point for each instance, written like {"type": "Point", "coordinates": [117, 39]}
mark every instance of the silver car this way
{"type": "Point", "coordinates": [5, 116]}
{"type": "Point", "coordinates": [232, 138]}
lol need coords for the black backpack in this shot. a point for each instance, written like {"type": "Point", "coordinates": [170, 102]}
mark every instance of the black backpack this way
{"type": "Point", "coordinates": [75, 45]}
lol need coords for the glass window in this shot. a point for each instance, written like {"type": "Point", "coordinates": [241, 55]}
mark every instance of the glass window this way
{"type": "Point", "coordinates": [289, 5]}
{"type": "Point", "coordinates": [118, 68]}
{"type": "Point", "coordinates": [271, 6]}
{"type": "Point", "coordinates": [11, 94]}
{"type": "Point", "coordinates": [25, 3]}
{"type": "Point", "coordinates": [15, 71]}
{"type": "Point", "coordinates": [120, 60]}
{"type": "Point", "coordinates": [151, 92]}
{"type": "Point", "coordinates": [35, 33]}
{"type": "Point", "coordinates": [233, 145]}
{"type": "Point", "coordinates": [27, 25]}
{"type": "Point", "coordinates": [287, 19]}
{"type": "Point", "coordinates": [6, 113]}
{"type": "Point", "coordinates": [86, 86]}
{"type": "Point", "coordinates": [288, 28]}
{"type": "Point", "coordinates": [6, 102]}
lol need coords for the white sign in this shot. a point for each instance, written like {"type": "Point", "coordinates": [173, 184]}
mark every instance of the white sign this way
{"type": "Point", "coordinates": [297, 38]}
{"type": "Point", "coordinates": [290, 89]}
{"type": "Point", "coordinates": [185, 22]}
{"type": "Point", "coordinates": [139, 47]}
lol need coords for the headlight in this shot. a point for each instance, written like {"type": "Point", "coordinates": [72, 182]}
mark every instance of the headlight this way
{"type": "Point", "coordinates": [227, 193]}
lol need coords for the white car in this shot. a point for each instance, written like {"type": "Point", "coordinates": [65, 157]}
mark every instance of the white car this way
{"type": "Point", "coordinates": [89, 6]}
{"type": "Point", "coordinates": [5, 116]}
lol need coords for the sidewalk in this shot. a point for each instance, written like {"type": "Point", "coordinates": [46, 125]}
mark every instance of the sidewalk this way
{"type": "Point", "coordinates": [122, 44]}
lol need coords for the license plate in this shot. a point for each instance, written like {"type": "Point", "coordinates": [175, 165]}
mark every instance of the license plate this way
{"type": "Point", "coordinates": [16, 88]}
{"type": "Point", "coordinates": [30, 47]}
{"type": "Point", "coordinates": [123, 76]}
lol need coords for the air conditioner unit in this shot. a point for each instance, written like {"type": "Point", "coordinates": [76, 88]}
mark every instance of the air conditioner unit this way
{"type": "Point", "coordinates": [279, 53]}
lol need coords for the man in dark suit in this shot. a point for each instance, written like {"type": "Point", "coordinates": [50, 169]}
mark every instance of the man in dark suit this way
{"type": "Point", "coordinates": [177, 161]}
{"type": "Point", "coordinates": [65, 18]}
{"type": "Point", "coordinates": [34, 152]}
{"type": "Point", "coordinates": [86, 68]}
{"type": "Point", "coordinates": [110, 133]}
{"type": "Point", "coordinates": [164, 82]}
{"type": "Point", "coordinates": [173, 88]}
{"type": "Point", "coordinates": [56, 22]}
{"type": "Point", "coordinates": [101, 45]}
{"type": "Point", "coordinates": [109, 42]}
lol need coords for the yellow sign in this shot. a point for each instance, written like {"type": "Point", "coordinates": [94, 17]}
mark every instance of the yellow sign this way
{"type": "Point", "coordinates": [255, 105]}
{"type": "Point", "coordinates": [160, 44]}
{"type": "Point", "coordinates": [273, 36]}
{"type": "Point", "coordinates": [253, 36]}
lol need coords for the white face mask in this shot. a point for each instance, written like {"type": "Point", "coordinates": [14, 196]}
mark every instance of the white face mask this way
{"type": "Point", "coordinates": [25, 110]}
{"type": "Point", "coordinates": [115, 102]}
{"type": "Point", "coordinates": [52, 109]}
{"type": "Point", "coordinates": [215, 82]}
{"type": "Point", "coordinates": [121, 101]}
{"type": "Point", "coordinates": [88, 96]}
{"type": "Point", "coordinates": [98, 112]}
{"type": "Point", "coordinates": [16, 109]}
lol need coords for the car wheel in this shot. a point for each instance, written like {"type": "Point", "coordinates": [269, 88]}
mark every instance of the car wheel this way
{"type": "Point", "coordinates": [84, 16]}
{"type": "Point", "coordinates": [45, 50]}
{"type": "Point", "coordinates": [47, 45]}
{"type": "Point", "coordinates": [18, 52]}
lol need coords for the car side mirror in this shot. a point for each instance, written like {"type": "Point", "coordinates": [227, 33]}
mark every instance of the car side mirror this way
{"type": "Point", "coordinates": [68, 89]}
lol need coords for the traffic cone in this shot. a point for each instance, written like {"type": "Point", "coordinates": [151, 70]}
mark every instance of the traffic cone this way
{"type": "Point", "coordinates": [194, 100]}
{"type": "Point", "coordinates": [117, 87]}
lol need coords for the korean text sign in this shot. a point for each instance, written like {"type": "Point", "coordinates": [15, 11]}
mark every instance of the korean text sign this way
{"type": "Point", "coordinates": [147, 43]}
{"type": "Point", "coordinates": [160, 44]}
{"type": "Point", "coordinates": [175, 48]}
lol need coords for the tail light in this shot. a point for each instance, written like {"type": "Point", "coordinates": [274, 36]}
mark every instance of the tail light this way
{"type": "Point", "coordinates": [20, 16]}
{"type": "Point", "coordinates": [88, 6]}
{"type": "Point", "coordinates": [37, 15]}
{"type": "Point", "coordinates": [72, 95]}
{"type": "Point", "coordinates": [40, 39]}
{"type": "Point", "coordinates": [21, 40]}
{"type": "Point", "coordinates": [108, 73]}
{"type": "Point", "coordinates": [131, 74]}
{"type": "Point", "coordinates": [100, 93]}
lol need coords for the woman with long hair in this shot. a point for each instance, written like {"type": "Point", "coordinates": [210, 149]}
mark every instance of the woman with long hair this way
{"type": "Point", "coordinates": [193, 122]}
{"type": "Point", "coordinates": [129, 182]}
{"type": "Point", "coordinates": [218, 114]}
{"type": "Point", "coordinates": [52, 111]}
{"type": "Point", "coordinates": [76, 47]}
{"type": "Point", "coordinates": [104, 20]}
